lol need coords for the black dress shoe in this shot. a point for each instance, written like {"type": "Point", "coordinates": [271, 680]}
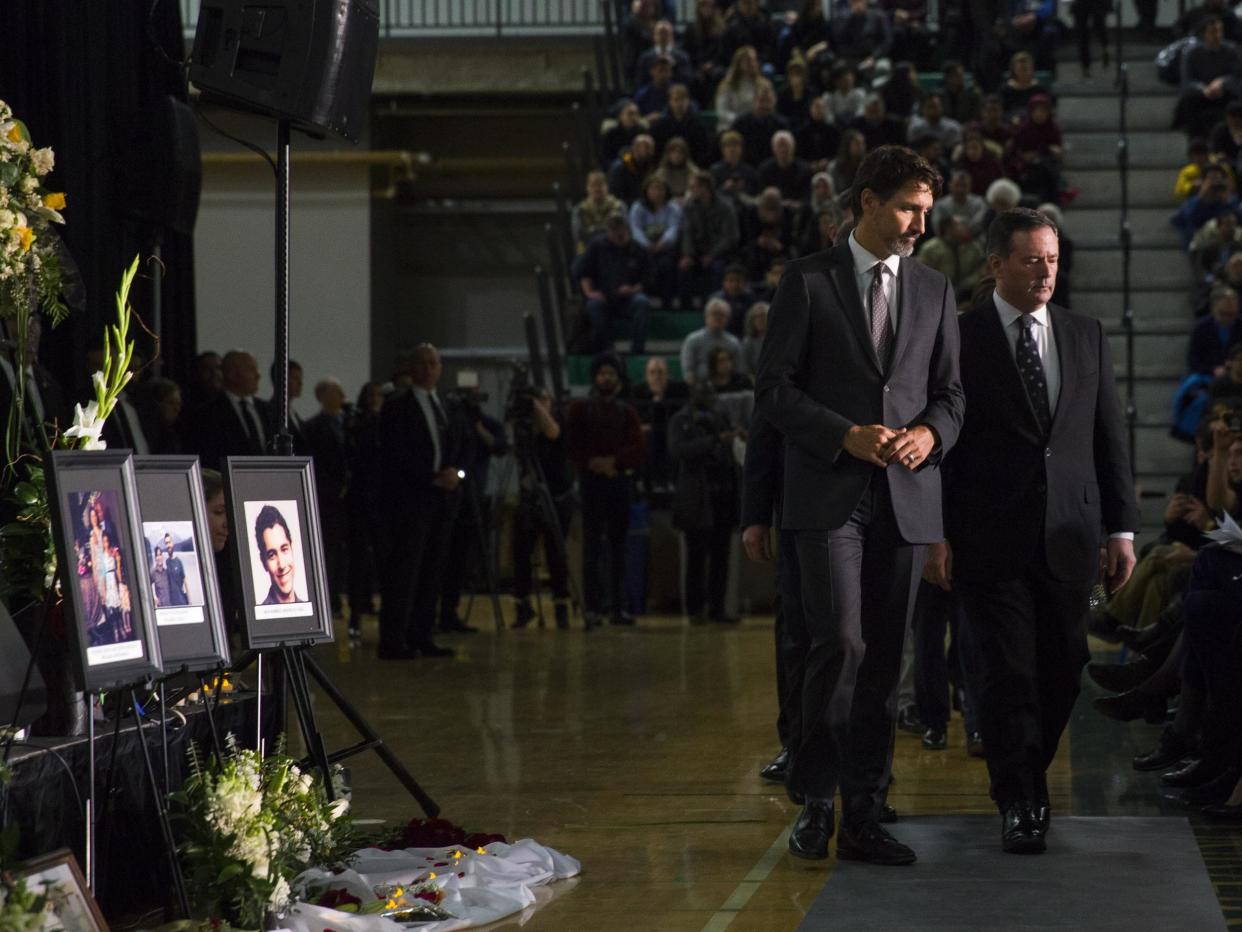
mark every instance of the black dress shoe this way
{"type": "Point", "coordinates": [811, 833]}
{"type": "Point", "coordinates": [1224, 813]}
{"type": "Point", "coordinates": [888, 815]}
{"type": "Point", "coordinates": [1121, 677]}
{"type": "Point", "coordinates": [774, 772]}
{"type": "Point", "coordinates": [974, 744]}
{"type": "Point", "coordinates": [396, 653]}
{"type": "Point", "coordinates": [1212, 793]}
{"type": "Point", "coordinates": [1193, 773]}
{"type": "Point", "coordinates": [1020, 831]}
{"type": "Point", "coordinates": [1133, 705]}
{"type": "Point", "coordinates": [1171, 748]}
{"type": "Point", "coordinates": [430, 649]}
{"type": "Point", "coordinates": [561, 611]}
{"type": "Point", "coordinates": [523, 615]}
{"type": "Point", "coordinates": [1043, 815]}
{"type": "Point", "coordinates": [869, 841]}
{"type": "Point", "coordinates": [455, 625]}
{"type": "Point", "coordinates": [908, 720]}
{"type": "Point", "coordinates": [934, 739]}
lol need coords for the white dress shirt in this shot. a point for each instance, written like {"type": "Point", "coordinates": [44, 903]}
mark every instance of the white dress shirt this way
{"type": "Point", "coordinates": [864, 272]}
{"type": "Point", "coordinates": [1045, 343]}
{"type": "Point", "coordinates": [433, 427]}
{"type": "Point", "coordinates": [1046, 346]}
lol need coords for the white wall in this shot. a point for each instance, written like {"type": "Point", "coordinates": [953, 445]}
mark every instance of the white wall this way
{"type": "Point", "coordinates": [329, 274]}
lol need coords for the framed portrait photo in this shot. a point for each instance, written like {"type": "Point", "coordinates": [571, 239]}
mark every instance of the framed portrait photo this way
{"type": "Point", "coordinates": [278, 550]}
{"type": "Point", "coordinates": [179, 563]}
{"type": "Point", "coordinates": [99, 546]}
{"type": "Point", "coordinates": [58, 876]}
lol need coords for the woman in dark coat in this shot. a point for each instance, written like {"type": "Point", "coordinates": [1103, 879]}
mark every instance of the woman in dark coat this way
{"type": "Point", "coordinates": [705, 505]}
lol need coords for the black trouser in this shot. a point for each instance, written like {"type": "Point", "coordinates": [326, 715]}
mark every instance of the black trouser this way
{"type": "Point", "coordinates": [1212, 604]}
{"type": "Point", "coordinates": [935, 612]}
{"type": "Point", "coordinates": [465, 551]}
{"type": "Point", "coordinates": [530, 524]}
{"type": "Point", "coordinates": [363, 557]}
{"type": "Point", "coordinates": [418, 534]}
{"type": "Point", "coordinates": [707, 560]}
{"type": "Point", "coordinates": [789, 669]}
{"type": "Point", "coordinates": [857, 585]}
{"type": "Point", "coordinates": [605, 517]}
{"type": "Point", "coordinates": [1088, 20]}
{"type": "Point", "coordinates": [1028, 637]}
{"type": "Point", "coordinates": [334, 523]}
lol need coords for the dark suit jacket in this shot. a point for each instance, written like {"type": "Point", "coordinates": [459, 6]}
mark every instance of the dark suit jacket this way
{"type": "Point", "coordinates": [819, 376]}
{"type": "Point", "coordinates": [325, 442]}
{"type": "Point", "coordinates": [218, 431]}
{"type": "Point", "coordinates": [1014, 497]}
{"type": "Point", "coordinates": [407, 453]}
{"type": "Point", "coordinates": [761, 474]}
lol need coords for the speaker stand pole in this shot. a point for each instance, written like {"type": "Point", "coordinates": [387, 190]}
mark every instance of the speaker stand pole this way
{"type": "Point", "coordinates": [157, 300]}
{"type": "Point", "coordinates": [90, 790]}
{"type": "Point", "coordinates": [282, 443]}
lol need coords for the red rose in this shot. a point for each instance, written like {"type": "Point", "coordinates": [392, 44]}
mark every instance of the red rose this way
{"type": "Point", "coordinates": [482, 840]}
{"type": "Point", "coordinates": [335, 899]}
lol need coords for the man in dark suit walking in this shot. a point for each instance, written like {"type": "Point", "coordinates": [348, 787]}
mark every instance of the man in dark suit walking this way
{"type": "Point", "coordinates": [859, 372]}
{"type": "Point", "coordinates": [1040, 466]}
{"type": "Point", "coordinates": [420, 459]}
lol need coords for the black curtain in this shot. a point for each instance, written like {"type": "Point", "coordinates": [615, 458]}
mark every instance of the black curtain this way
{"type": "Point", "coordinates": [91, 79]}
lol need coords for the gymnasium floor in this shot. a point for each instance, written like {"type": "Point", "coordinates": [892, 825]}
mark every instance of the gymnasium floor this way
{"type": "Point", "coordinates": [637, 751]}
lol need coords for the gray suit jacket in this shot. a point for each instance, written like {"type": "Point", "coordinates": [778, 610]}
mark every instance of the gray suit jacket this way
{"type": "Point", "coordinates": [819, 376]}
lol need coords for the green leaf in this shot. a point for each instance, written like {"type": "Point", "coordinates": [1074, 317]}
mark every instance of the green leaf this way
{"type": "Point", "coordinates": [27, 493]}
{"type": "Point", "coordinates": [230, 871]}
{"type": "Point", "coordinates": [9, 174]}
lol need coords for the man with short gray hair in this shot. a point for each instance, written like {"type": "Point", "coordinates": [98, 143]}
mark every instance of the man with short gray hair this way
{"type": "Point", "coordinates": [785, 171]}
{"type": "Point", "coordinates": [696, 351]}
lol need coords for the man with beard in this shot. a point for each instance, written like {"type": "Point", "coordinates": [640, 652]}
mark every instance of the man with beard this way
{"type": "Point", "coordinates": [859, 372]}
{"type": "Point", "coordinates": [275, 543]}
{"type": "Point", "coordinates": [605, 440]}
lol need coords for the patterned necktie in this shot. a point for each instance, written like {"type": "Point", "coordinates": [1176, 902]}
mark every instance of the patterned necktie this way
{"type": "Point", "coordinates": [1032, 372]}
{"type": "Point", "coordinates": [881, 333]}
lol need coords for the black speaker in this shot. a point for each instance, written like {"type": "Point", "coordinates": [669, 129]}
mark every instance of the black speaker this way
{"type": "Point", "coordinates": [159, 168]}
{"type": "Point", "coordinates": [307, 61]}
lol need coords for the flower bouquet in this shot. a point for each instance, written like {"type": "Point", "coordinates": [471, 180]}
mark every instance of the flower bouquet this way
{"type": "Point", "coordinates": [253, 824]}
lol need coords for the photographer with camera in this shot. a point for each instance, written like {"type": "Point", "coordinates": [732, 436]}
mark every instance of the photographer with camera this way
{"type": "Point", "coordinates": [483, 438]}
{"type": "Point", "coordinates": [705, 505]}
{"type": "Point", "coordinates": [545, 500]}
{"type": "Point", "coordinates": [605, 444]}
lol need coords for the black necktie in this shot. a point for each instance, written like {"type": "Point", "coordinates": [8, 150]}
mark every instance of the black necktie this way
{"type": "Point", "coordinates": [881, 332]}
{"type": "Point", "coordinates": [250, 422]}
{"type": "Point", "coordinates": [1032, 371]}
{"type": "Point", "coordinates": [439, 413]}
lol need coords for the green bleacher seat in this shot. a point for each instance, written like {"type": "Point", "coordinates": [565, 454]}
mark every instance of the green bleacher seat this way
{"type": "Point", "coordinates": [663, 325]}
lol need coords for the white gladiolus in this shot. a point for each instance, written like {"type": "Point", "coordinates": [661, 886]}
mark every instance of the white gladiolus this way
{"type": "Point", "coordinates": [87, 425]}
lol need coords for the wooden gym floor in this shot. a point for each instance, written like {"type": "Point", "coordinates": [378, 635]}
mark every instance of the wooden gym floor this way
{"type": "Point", "coordinates": [638, 750]}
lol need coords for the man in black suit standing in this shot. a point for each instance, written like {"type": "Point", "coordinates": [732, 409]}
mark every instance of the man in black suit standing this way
{"type": "Point", "coordinates": [1040, 466]}
{"type": "Point", "coordinates": [420, 460]}
{"type": "Point", "coordinates": [324, 439]}
{"type": "Point", "coordinates": [233, 422]}
{"type": "Point", "coordinates": [859, 372]}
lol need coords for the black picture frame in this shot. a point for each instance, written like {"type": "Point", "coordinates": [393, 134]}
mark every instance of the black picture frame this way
{"type": "Point", "coordinates": [111, 621]}
{"type": "Point", "coordinates": [170, 497]}
{"type": "Point", "coordinates": [287, 485]}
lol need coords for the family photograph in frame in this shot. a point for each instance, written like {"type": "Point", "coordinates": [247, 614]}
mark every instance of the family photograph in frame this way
{"type": "Point", "coordinates": [180, 568]}
{"type": "Point", "coordinates": [278, 550]}
{"type": "Point", "coordinates": [70, 903]}
{"type": "Point", "coordinates": [100, 553]}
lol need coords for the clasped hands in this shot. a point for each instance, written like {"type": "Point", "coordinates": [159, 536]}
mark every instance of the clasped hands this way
{"type": "Point", "coordinates": [880, 445]}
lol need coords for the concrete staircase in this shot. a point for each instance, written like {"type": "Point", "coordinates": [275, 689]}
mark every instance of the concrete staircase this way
{"type": "Point", "coordinates": [1161, 280]}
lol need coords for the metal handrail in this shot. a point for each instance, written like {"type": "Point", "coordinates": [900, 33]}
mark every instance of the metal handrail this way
{"type": "Point", "coordinates": [1126, 237]}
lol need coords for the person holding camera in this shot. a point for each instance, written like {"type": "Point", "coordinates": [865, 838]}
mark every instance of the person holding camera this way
{"type": "Point", "coordinates": [605, 445]}
{"type": "Point", "coordinates": [483, 437]}
{"type": "Point", "coordinates": [705, 505]}
{"type": "Point", "coordinates": [545, 504]}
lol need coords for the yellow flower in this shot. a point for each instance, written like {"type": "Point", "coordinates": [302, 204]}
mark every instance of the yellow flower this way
{"type": "Point", "coordinates": [55, 200]}
{"type": "Point", "coordinates": [14, 134]}
{"type": "Point", "coordinates": [25, 236]}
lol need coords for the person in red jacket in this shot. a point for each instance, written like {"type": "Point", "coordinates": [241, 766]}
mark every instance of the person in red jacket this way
{"type": "Point", "coordinates": [605, 441]}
